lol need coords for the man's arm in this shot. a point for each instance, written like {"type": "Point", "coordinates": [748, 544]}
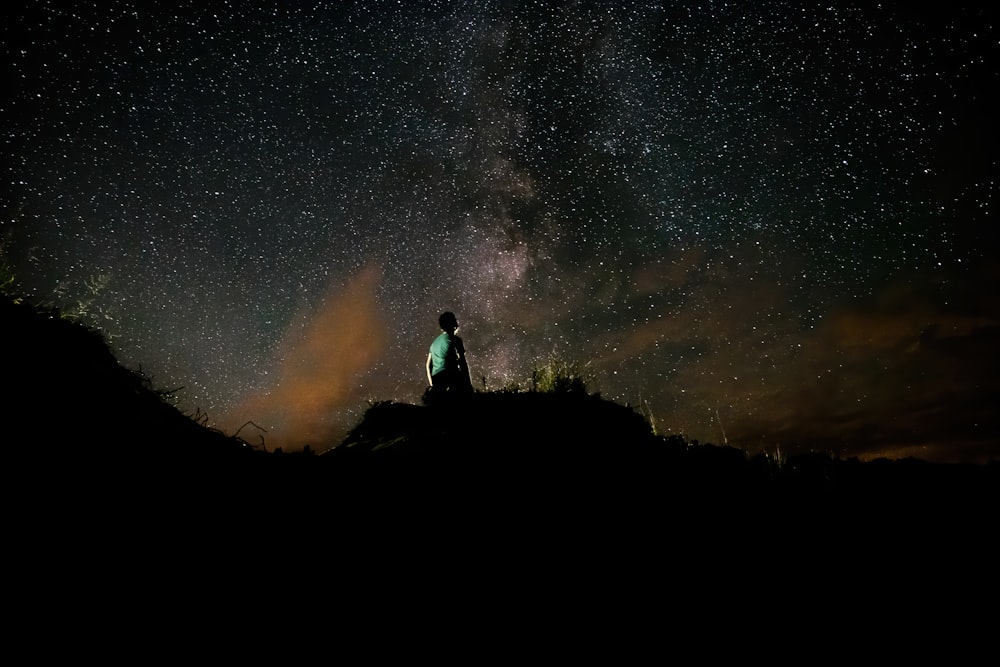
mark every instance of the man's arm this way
{"type": "Point", "coordinates": [463, 364]}
{"type": "Point", "coordinates": [429, 382]}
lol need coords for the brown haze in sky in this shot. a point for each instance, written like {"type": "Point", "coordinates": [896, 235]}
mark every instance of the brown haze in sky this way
{"type": "Point", "coordinates": [321, 356]}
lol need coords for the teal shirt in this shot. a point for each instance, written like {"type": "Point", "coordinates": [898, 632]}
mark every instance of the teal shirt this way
{"type": "Point", "coordinates": [445, 351]}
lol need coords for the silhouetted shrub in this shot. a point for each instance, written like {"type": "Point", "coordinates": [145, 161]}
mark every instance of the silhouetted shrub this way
{"type": "Point", "coordinates": [558, 376]}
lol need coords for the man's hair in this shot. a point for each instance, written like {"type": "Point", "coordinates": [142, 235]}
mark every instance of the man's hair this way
{"type": "Point", "coordinates": [448, 320]}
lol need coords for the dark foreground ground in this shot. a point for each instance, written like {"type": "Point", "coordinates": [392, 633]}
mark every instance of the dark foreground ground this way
{"type": "Point", "coordinates": [501, 538]}
{"type": "Point", "coordinates": [507, 463]}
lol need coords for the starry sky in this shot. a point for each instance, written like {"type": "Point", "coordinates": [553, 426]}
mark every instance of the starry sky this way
{"type": "Point", "coordinates": [762, 224]}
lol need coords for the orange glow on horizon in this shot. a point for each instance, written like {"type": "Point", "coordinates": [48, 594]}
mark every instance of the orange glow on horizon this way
{"type": "Point", "coordinates": [321, 357]}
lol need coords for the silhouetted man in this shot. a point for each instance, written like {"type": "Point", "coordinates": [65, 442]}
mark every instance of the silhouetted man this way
{"type": "Point", "coordinates": [447, 369]}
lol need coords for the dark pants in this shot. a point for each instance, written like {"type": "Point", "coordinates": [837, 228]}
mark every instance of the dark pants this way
{"type": "Point", "coordinates": [449, 382]}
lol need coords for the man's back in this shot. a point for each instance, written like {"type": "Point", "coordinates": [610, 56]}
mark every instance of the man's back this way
{"type": "Point", "coordinates": [446, 351]}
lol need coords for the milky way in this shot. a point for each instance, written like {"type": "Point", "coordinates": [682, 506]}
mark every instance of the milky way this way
{"type": "Point", "coordinates": [764, 224]}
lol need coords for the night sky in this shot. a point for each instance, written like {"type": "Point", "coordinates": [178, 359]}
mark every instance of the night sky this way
{"type": "Point", "coordinates": [762, 224]}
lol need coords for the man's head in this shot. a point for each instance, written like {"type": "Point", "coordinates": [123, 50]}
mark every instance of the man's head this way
{"type": "Point", "coordinates": [448, 321]}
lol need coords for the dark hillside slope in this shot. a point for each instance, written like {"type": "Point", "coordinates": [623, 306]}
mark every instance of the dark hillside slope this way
{"type": "Point", "coordinates": [528, 447]}
{"type": "Point", "coordinates": [68, 402]}
{"type": "Point", "coordinates": [587, 479]}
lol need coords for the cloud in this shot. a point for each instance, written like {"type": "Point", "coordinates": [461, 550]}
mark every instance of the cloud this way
{"type": "Point", "coordinates": [911, 370]}
{"type": "Point", "coordinates": [322, 356]}
{"type": "Point", "coordinates": [907, 372]}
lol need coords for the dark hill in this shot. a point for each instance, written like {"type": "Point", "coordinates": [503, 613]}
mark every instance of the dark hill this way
{"type": "Point", "coordinates": [72, 412]}
{"type": "Point", "coordinates": [68, 403]}
{"type": "Point", "coordinates": [534, 445]}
